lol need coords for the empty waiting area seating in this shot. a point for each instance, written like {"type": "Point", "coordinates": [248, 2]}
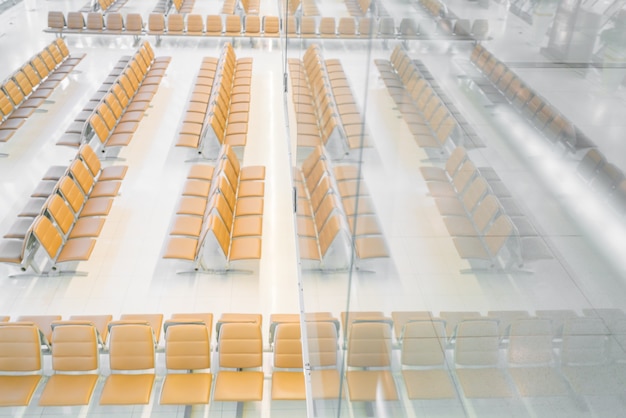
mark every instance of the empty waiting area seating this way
{"type": "Point", "coordinates": [28, 87]}
{"type": "Point", "coordinates": [220, 214]}
{"type": "Point", "coordinates": [531, 359]}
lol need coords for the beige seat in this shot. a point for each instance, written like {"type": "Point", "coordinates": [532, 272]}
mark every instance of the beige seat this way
{"type": "Point", "coordinates": [131, 356]}
{"type": "Point", "coordinates": [240, 348]}
{"type": "Point", "coordinates": [187, 348]}
{"type": "Point", "coordinates": [423, 360]}
{"type": "Point", "coordinates": [288, 373]}
{"type": "Point", "coordinates": [75, 363]}
{"type": "Point", "coordinates": [20, 346]}
{"type": "Point", "coordinates": [369, 375]}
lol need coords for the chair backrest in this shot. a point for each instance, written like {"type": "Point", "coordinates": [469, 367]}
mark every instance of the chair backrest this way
{"type": "Point", "coordinates": [114, 22]}
{"type": "Point", "coordinates": [233, 25]}
{"type": "Point", "coordinates": [175, 23]}
{"type": "Point", "coordinates": [387, 26]}
{"type": "Point", "coordinates": [14, 92]}
{"type": "Point", "coordinates": [477, 343]}
{"type": "Point", "coordinates": [20, 347]}
{"type": "Point", "coordinates": [585, 342]}
{"type": "Point", "coordinates": [72, 194]}
{"type": "Point", "coordinates": [56, 20]}
{"type": "Point", "coordinates": [75, 20]}
{"type": "Point", "coordinates": [240, 345]}
{"type": "Point", "coordinates": [408, 27]}
{"type": "Point", "coordinates": [455, 160]}
{"type": "Point", "coordinates": [253, 25]}
{"type": "Point", "coordinates": [308, 26]}
{"type": "Point", "coordinates": [327, 26]}
{"type": "Point", "coordinates": [134, 23]}
{"type": "Point", "coordinates": [156, 22]}
{"type": "Point", "coordinates": [290, 25]}
{"type": "Point", "coordinates": [530, 342]}
{"type": "Point", "coordinates": [369, 344]}
{"type": "Point", "coordinates": [367, 27]}
{"type": "Point", "coordinates": [480, 28]}
{"type": "Point", "coordinates": [89, 157]}
{"type": "Point", "coordinates": [82, 176]}
{"type": "Point", "coordinates": [346, 26]}
{"type": "Point", "coordinates": [462, 27]}
{"type": "Point", "coordinates": [187, 346]}
{"type": "Point", "coordinates": [74, 346]}
{"type": "Point", "coordinates": [195, 24]}
{"type": "Point", "coordinates": [214, 24]}
{"type": "Point", "coordinates": [60, 213]}
{"type": "Point", "coordinates": [131, 346]}
{"type": "Point", "coordinates": [48, 236]}
{"type": "Point", "coordinates": [31, 74]}
{"type": "Point", "coordinates": [498, 234]}
{"type": "Point", "coordinates": [288, 346]}
{"type": "Point", "coordinates": [464, 176]}
{"type": "Point", "coordinates": [485, 212]}
{"type": "Point", "coordinates": [95, 21]}
{"type": "Point", "coordinates": [423, 343]}
{"type": "Point", "coordinates": [271, 25]}
{"type": "Point", "coordinates": [475, 193]}
{"type": "Point", "coordinates": [322, 343]}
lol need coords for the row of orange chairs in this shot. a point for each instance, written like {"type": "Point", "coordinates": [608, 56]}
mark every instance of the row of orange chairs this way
{"type": "Point", "coordinates": [533, 346]}
{"type": "Point", "coordinates": [64, 217]}
{"type": "Point", "coordinates": [225, 120]}
{"type": "Point", "coordinates": [27, 88]}
{"type": "Point", "coordinates": [219, 219]}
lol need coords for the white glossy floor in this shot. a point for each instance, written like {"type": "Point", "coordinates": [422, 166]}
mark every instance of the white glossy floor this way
{"type": "Point", "coordinates": [586, 270]}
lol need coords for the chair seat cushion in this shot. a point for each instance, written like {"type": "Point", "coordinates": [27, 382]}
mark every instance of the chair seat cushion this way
{"type": "Point", "coordinates": [127, 389]}
{"type": "Point", "coordinates": [17, 390]}
{"type": "Point", "coordinates": [288, 386]}
{"type": "Point", "coordinates": [239, 386]}
{"type": "Point", "coordinates": [371, 385]}
{"type": "Point", "coordinates": [186, 389]}
{"type": "Point", "coordinates": [67, 390]}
